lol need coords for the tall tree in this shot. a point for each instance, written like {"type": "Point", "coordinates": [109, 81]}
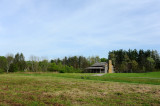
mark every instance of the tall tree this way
{"type": "Point", "coordinates": [10, 59]}
{"type": "Point", "coordinates": [135, 61]}
{"type": "Point", "coordinates": [3, 63]}
{"type": "Point", "coordinates": [44, 65]}
{"type": "Point", "coordinates": [34, 63]}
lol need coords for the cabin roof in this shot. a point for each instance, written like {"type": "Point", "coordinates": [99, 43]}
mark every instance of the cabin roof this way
{"type": "Point", "coordinates": [99, 64]}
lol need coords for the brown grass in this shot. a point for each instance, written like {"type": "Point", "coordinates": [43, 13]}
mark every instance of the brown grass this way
{"type": "Point", "coordinates": [18, 90]}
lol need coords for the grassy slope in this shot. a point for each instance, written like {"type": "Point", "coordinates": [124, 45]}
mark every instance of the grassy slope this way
{"type": "Point", "coordinates": [142, 78]}
{"type": "Point", "coordinates": [17, 89]}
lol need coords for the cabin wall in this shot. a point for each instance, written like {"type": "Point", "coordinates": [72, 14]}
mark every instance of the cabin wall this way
{"type": "Point", "coordinates": [96, 71]}
{"type": "Point", "coordinates": [106, 68]}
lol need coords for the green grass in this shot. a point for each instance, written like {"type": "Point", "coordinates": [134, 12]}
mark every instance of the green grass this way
{"type": "Point", "coordinates": [39, 89]}
{"type": "Point", "coordinates": [56, 89]}
{"type": "Point", "coordinates": [141, 78]}
{"type": "Point", "coordinates": [144, 75]}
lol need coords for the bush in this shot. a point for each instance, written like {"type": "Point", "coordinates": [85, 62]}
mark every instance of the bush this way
{"type": "Point", "coordinates": [1, 71]}
{"type": "Point", "coordinates": [62, 68]}
{"type": "Point", "coordinates": [61, 71]}
{"type": "Point", "coordinates": [13, 68]}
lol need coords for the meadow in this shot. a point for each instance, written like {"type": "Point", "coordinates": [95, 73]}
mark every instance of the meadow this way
{"type": "Point", "coordinates": [141, 78]}
{"type": "Point", "coordinates": [75, 89]}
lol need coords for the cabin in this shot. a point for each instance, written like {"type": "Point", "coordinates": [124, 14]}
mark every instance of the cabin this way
{"type": "Point", "coordinates": [101, 67]}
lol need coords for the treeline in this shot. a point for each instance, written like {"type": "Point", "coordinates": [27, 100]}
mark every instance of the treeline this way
{"type": "Point", "coordinates": [79, 62]}
{"type": "Point", "coordinates": [74, 64]}
{"type": "Point", "coordinates": [12, 63]}
{"type": "Point", "coordinates": [123, 62]}
{"type": "Point", "coordinates": [135, 61]}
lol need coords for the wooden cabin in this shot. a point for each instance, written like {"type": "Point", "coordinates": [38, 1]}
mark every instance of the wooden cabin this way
{"type": "Point", "coordinates": [101, 67]}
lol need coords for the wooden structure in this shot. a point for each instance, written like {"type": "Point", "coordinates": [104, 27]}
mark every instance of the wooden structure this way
{"type": "Point", "coordinates": [101, 67]}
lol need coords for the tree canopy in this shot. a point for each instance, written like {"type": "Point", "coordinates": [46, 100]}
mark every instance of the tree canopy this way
{"type": "Point", "coordinates": [123, 62]}
{"type": "Point", "coordinates": [135, 61]}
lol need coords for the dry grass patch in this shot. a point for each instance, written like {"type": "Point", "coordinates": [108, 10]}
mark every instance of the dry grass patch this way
{"type": "Point", "coordinates": [30, 90]}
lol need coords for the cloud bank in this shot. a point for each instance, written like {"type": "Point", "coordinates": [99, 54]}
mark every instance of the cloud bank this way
{"type": "Point", "coordinates": [58, 28]}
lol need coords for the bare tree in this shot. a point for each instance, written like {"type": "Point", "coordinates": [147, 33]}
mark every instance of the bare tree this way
{"type": "Point", "coordinates": [44, 65]}
{"type": "Point", "coordinates": [35, 63]}
{"type": "Point", "coordinates": [9, 58]}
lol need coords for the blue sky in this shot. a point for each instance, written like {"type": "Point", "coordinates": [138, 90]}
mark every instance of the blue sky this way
{"type": "Point", "coordinates": [58, 28]}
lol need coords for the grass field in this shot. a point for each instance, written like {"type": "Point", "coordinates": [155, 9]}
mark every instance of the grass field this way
{"type": "Point", "coordinates": [141, 78]}
{"type": "Point", "coordinates": [79, 89]}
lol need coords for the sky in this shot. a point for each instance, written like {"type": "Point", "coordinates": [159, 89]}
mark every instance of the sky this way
{"type": "Point", "coordinates": [58, 28]}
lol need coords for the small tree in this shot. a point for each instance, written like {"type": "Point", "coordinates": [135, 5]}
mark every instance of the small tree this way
{"type": "Point", "coordinates": [134, 66]}
{"type": "Point", "coordinates": [9, 58]}
{"type": "Point", "coordinates": [151, 63]}
{"type": "Point", "coordinates": [3, 63]}
{"type": "Point", "coordinates": [103, 60]}
{"type": "Point", "coordinates": [35, 63]}
{"type": "Point", "coordinates": [44, 65]}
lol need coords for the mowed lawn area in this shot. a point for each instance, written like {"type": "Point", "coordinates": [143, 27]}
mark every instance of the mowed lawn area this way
{"type": "Point", "coordinates": [61, 89]}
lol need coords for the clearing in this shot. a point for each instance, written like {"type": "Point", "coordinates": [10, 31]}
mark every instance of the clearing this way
{"type": "Point", "coordinates": [79, 89]}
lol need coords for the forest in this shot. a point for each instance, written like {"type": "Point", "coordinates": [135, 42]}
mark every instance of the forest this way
{"type": "Point", "coordinates": [131, 61]}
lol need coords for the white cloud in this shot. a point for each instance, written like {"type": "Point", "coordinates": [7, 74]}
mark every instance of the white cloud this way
{"type": "Point", "coordinates": [58, 28]}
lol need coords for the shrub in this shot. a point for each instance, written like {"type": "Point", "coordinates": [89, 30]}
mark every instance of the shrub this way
{"type": "Point", "coordinates": [1, 70]}
{"type": "Point", "coordinates": [13, 68]}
